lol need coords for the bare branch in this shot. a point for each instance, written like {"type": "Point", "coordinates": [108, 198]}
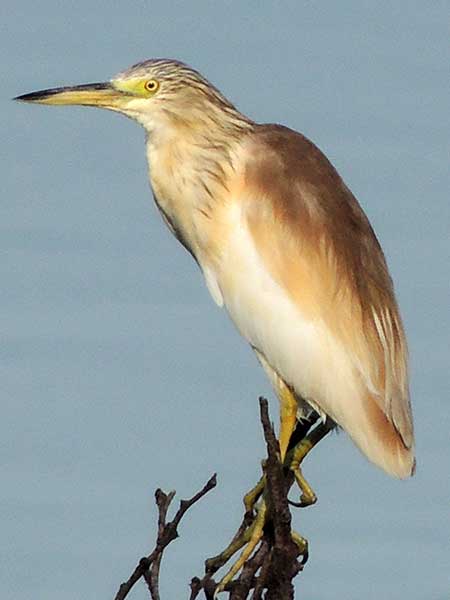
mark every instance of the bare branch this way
{"type": "Point", "coordinates": [270, 570]}
{"type": "Point", "coordinates": [163, 501]}
{"type": "Point", "coordinates": [284, 565]}
{"type": "Point", "coordinates": [166, 534]}
{"type": "Point", "coordinates": [274, 564]}
{"type": "Point", "coordinates": [247, 580]}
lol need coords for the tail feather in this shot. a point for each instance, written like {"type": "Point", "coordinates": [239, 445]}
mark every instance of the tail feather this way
{"type": "Point", "coordinates": [378, 438]}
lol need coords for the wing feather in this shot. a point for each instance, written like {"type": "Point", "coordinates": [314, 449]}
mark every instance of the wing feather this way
{"type": "Point", "coordinates": [319, 246]}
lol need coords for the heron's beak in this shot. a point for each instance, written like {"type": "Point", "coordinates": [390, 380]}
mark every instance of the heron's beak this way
{"type": "Point", "coordinates": [103, 95]}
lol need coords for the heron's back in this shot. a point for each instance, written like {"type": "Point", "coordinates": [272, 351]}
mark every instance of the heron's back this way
{"type": "Point", "coordinates": [305, 281]}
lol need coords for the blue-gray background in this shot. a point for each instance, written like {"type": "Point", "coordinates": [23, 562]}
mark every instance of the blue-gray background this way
{"type": "Point", "coordinates": [119, 374]}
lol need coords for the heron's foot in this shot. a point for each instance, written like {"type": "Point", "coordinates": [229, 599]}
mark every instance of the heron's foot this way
{"type": "Point", "coordinates": [249, 540]}
{"type": "Point", "coordinates": [303, 546]}
{"type": "Point", "coordinates": [253, 528]}
{"type": "Point", "coordinates": [245, 531]}
{"type": "Point", "coordinates": [253, 495]}
{"type": "Point", "coordinates": [241, 538]}
{"type": "Point", "coordinates": [292, 463]}
{"type": "Point", "coordinates": [307, 498]}
{"type": "Point", "coordinates": [294, 459]}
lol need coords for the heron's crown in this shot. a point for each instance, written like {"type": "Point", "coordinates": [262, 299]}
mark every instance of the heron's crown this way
{"type": "Point", "coordinates": [165, 68]}
{"type": "Point", "coordinates": [173, 77]}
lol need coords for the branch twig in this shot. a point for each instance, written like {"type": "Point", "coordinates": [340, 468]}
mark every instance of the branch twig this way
{"type": "Point", "coordinates": [148, 566]}
{"type": "Point", "coordinates": [283, 565]}
{"type": "Point", "coordinates": [274, 564]}
{"type": "Point", "coordinates": [270, 570]}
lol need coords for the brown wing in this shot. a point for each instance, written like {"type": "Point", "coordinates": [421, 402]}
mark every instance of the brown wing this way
{"type": "Point", "coordinates": [319, 245]}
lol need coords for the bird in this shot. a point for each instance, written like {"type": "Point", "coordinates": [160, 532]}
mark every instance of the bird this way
{"type": "Point", "coordinates": [284, 247]}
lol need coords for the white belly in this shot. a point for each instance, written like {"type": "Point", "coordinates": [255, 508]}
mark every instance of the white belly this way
{"type": "Point", "coordinates": [302, 352]}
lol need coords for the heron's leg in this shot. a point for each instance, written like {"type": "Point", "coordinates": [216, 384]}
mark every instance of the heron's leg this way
{"type": "Point", "coordinates": [288, 416]}
{"type": "Point", "coordinates": [288, 403]}
{"type": "Point", "coordinates": [296, 456]}
{"type": "Point", "coordinates": [249, 536]}
{"type": "Point", "coordinates": [301, 428]}
{"type": "Point", "coordinates": [288, 421]}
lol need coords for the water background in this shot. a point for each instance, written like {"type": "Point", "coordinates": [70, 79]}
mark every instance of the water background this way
{"type": "Point", "coordinates": [119, 374]}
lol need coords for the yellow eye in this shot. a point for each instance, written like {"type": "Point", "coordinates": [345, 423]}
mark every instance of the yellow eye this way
{"type": "Point", "coordinates": [151, 85]}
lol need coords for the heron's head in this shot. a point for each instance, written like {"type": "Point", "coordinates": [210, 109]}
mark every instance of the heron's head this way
{"type": "Point", "coordinates": [153, 92]}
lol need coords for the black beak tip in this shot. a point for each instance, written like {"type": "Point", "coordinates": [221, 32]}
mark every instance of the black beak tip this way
{"type": "Point", "coordinates": [43, 94]}
{"type": "Point", "coordinates": [32, 97]}
{"type": "Point", "coordinates": [21, 98]}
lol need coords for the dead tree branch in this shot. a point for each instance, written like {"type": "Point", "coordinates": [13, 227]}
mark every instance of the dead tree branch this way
{"type": "Point", "coordinates": [269, 572]}
{"type": "Point", "coordinates": [283, 566]}
{"type": "Point", "coordinates": [148, 566]}
{"type": "Point", "coordinates": [275, 562]}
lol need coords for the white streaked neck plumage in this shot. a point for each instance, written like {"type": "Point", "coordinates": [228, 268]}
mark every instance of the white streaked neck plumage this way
{"type": "Point", "coordinates": [193, 150]}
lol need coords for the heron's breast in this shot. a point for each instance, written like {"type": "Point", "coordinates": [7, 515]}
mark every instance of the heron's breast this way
{"type": "Point", "coordinates": [191, 196]}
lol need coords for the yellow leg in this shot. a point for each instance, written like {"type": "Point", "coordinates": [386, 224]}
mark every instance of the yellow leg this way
{"type": "Point", "coordinates": [251, 536]}
{"type": "Point", "coordinates": [252, 497]}
{"type": "Point", "coordinates": [256, 535]}
{"type": "Point", "coordinates": [308, 496]}
{"type": "Point", "coordinates": [288, 404]}
{"type": "Point", "coordinates": [307, 444]}
{"type": "Point", "coordinates": [288, 417]}
{"type": "Point", "coordinates": [296, 456]}
{"type": "Point", "coordinates": [302, 544]}
{"type": "Point", "coordinates": [248, 537]}
{"type": "Point", "coordinates": [214, 563]}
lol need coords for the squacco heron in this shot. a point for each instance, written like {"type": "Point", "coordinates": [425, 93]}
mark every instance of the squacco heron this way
{"type": "Point", "coordinates": [285, 248]}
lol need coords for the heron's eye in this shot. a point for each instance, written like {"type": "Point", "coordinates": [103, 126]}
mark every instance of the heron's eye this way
{"type": "Point", "coordinates": [151, 85]}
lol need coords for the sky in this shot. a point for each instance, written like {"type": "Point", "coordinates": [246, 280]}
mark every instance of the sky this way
{"type": "Point", "coordinates": [120, 375]}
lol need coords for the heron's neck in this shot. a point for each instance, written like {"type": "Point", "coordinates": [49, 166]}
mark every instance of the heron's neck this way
{"type": "Point", "coordinates": [190, 171]}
